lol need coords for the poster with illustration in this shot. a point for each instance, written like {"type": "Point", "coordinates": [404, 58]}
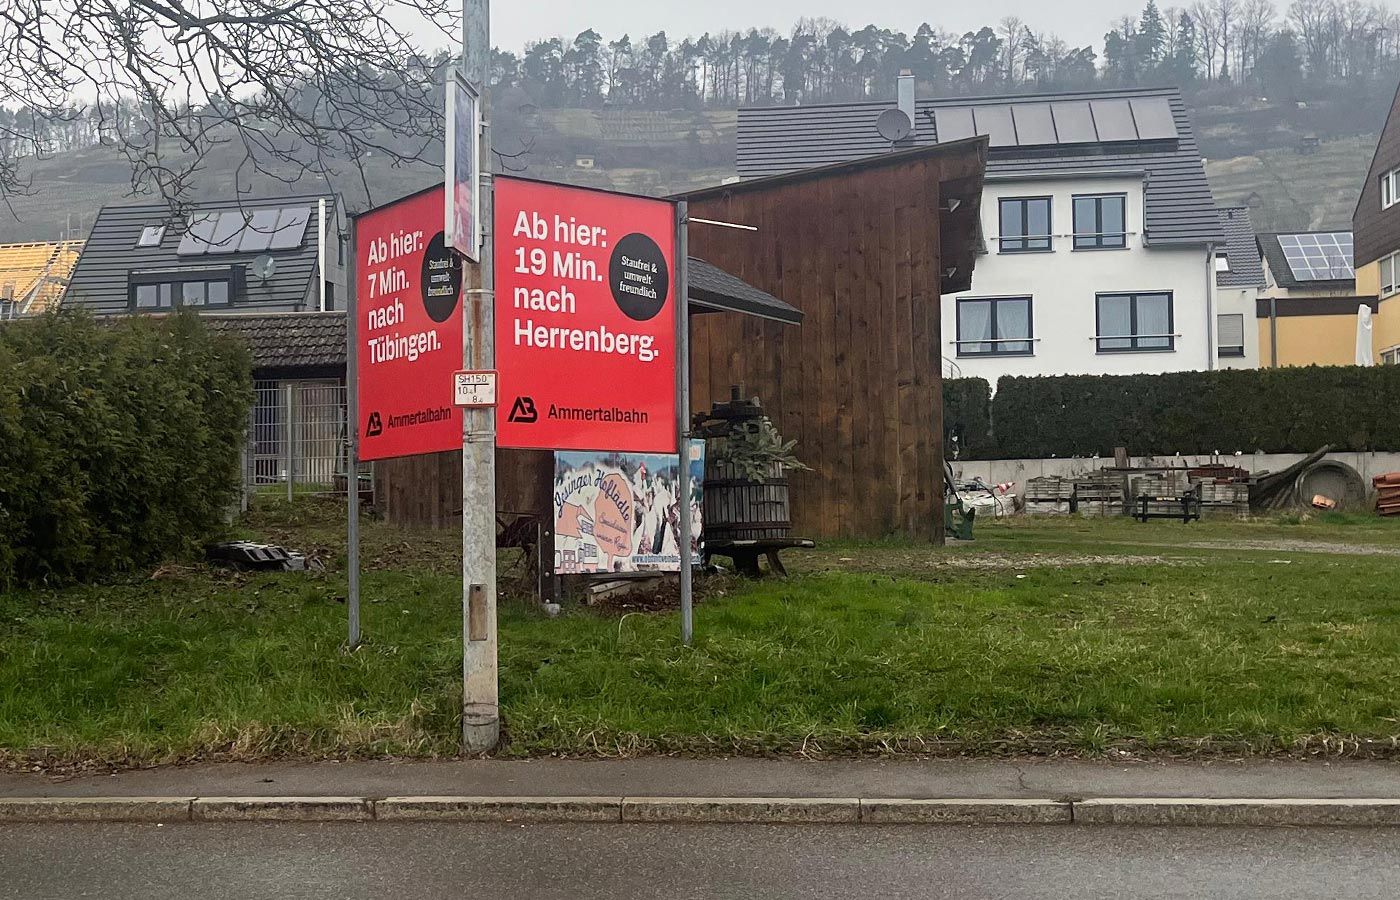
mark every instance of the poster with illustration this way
{"type": "Point", "coordinates": [620, 512]}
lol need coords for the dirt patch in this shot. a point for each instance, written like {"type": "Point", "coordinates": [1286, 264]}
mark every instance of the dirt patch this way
{"type": "Point", "coordinates": [912, 564]}
{"type": "Point", "coordinates": [1297, 546]}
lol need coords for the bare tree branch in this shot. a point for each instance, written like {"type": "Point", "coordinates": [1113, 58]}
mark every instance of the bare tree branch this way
{"type": "Point", "coordinates": [282, 89]}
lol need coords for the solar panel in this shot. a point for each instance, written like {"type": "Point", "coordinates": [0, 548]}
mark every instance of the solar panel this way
{"type": "Point", "coordinates": [953, 123]}
{"type": "Point", "coordinates": [1154, 119]}
{"type": "Point", "coordinates": [1318, 257]}
{"type": "Point", "coordinates": [1073, 124]}
{"type": "Point", "coordinates": [227, 228]}
{"type": "Point", "coordinates": [257, 234]}
{"type": "Point", "coordinates": [291, 228]}
{"type": "Point", "coordinates": [1114, 120]}
{"type": "Point", "coordinates": [195, 240]}
{"type": "Point", "coordinates": [995, 123]}
{"type": "Point", "coordinates": [1034, 125]}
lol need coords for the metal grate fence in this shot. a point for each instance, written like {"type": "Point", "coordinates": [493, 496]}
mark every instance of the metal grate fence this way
{"type": "Point", "coordinates": [296, 438]}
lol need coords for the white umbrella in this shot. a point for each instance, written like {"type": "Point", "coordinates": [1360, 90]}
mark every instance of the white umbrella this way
{"type": "Point", "coordinates": [1364, 357]}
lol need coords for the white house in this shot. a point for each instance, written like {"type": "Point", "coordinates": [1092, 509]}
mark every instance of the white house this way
{"type": "Point", "coordinates": [1099, 230]}
{"type": "Point", "coordinates": [1239, 279]}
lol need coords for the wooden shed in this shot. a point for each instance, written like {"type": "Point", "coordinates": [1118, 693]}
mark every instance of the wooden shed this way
{"type": "Point", "coordinates": [865, 250]}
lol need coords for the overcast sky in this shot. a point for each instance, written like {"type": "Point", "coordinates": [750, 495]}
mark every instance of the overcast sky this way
{"type": "Point", "coordinates": [514, 22]}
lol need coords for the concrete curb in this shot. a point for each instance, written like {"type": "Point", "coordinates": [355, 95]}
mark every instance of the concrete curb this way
{"type": "Point", "coordinates": [96, 809]}
{"type": "Point", "coordinates": [498, 809]}
{"type": "Point", "coordinates": [965, 812]}
{"type": "Point", "coordinates": [1122, 811]}
{"type": "Point", "coordinates": [769, 810]}
{"type": "Point", "coordinates": [281, 809]}
{"type": "Point", "coordinates": [1187, 811]}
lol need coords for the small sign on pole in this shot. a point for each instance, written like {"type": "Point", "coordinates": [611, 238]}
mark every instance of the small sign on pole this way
{"type": "Point", "coordinates": [462, 225]}
{"type": "Point", "coordinates": [474, 388]}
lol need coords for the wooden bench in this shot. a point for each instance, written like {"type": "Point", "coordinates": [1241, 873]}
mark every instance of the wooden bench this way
{"type": "Point", "coordinates": [746, 553]}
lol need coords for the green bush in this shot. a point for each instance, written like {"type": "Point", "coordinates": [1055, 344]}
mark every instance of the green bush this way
{"type": "Point", "coordinates": [1290, 410]}
{"type": "Point", "coordinates": [119, 442]}
{"type": "Point", "coordinates": [967, 417]}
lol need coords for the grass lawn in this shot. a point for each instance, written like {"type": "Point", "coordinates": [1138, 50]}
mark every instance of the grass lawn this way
{"type": "Point", "coordinates": [1066, 635]}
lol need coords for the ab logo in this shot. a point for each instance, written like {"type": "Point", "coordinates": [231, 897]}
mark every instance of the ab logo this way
{"type": "Point", "coordinates": [375, 427]}
{"type": "Point", "coordinates": [523, 411]}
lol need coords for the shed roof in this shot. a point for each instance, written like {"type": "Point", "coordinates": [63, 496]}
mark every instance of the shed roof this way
{"type": "Point", "coordinates": [1241, 248]}
{"type": "Point", "coordinates": [1063, 134]}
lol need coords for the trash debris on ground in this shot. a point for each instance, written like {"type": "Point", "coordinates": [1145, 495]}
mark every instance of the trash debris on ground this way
{"type": "Point", "coordinates": [250, 557]}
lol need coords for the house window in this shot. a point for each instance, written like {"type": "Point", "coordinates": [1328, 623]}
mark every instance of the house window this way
{"type": "Point", "coordinates": [156, 295]}
{"type": "Point", "coordinates": [151, 236]}
{"type": "Point", "coordinates": [1390, 188]}
{"type": "Point", "coordinates": [1390, 357]}
{"type": "Point", "coordinates": [1100, 222]}
{"type": "Point", "coordinates": [1389, 265]}
{"type": "Point", "coordinates": [994, 326]}
{"type": "Point", "coordinates": [1133, 322]}
{"type": "Point", "coordinates": [9, 309]}
{"type": "Point", "coordinates": [1229, 330]}
{"type": "Point", "coordinates": [1025, 224]}
{"type": "Point", "coordinates": [1222, 262]}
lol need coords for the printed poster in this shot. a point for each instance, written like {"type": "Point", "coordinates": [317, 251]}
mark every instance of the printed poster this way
{"type": "Point", "coordinates": [620, 512]}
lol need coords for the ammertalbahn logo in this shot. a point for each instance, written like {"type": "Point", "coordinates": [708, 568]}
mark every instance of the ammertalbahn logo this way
{"type": "Point", "coordinates": [422, 417]}
{"type": "Point", "coordinates": [375, 426]}
{"type": "Point", "coordinates": [523, 411]}
{"type": "Point", "coordinates": [599, 414]}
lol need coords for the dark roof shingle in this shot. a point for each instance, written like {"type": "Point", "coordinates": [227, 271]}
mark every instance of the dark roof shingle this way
{"type": "Point", "coordinates": [1241, 248]}
{"type": "Point", "coordinates": [1180, 208]}
{"type": "Point", "coordinates": [287, 341]}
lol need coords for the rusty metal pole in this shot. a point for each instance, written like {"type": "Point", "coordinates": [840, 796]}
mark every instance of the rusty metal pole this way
{"type": "Point", "coordinates": [481, 721]}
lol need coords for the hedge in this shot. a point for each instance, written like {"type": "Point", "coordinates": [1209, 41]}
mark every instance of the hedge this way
{"type": "Point", "coordinates": [967, 417]}
{"type": "Point", "coordinates": [1270, 410]}
{"type": "Point", "coordinates": [120, 442]}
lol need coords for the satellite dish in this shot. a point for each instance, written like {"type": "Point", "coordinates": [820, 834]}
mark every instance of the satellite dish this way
{"type": "Point", "coordinates": [263, 267]}
{"type": "Point", "coordinates": [894, 125]}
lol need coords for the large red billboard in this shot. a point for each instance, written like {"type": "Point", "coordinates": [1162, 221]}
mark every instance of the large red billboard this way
{"type": "Point", "coordinates": [585, 319]}
{"type": "Point", "coordinates": [408, 316]}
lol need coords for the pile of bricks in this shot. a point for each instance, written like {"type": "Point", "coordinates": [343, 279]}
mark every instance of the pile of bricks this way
{"type": "Point", "coordinates": [1387, 493]}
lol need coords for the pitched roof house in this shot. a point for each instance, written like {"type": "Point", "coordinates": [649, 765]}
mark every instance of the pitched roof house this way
{"type": "Point", "coordinates": [1099, 229]}
{"type": "Point", "coordinates": [261, 254]}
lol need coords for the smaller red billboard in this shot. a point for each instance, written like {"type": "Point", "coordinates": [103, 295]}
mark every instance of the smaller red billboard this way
{"type": "Point", "coordinates": [585, 319]}
{"type": "Point", "coordinates": [408, 316]}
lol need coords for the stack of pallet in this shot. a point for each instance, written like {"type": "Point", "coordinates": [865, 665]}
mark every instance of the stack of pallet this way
{"type": "Point", "coordinates": [1049, 494]}
{"type": "Point", "coordinates": [1387, 493]}
{"type": "Point", "coordinates": [1100, 495]}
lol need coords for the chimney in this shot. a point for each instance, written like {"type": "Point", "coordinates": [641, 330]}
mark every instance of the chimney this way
{"type": "Point", "coordinates": [906, 98]}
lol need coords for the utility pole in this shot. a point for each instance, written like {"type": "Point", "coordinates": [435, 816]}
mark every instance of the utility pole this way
{"type": "Point", "coordinates": [481, 716]}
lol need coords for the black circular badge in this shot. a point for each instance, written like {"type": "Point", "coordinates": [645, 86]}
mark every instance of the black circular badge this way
{"type": "Point", "coordinates": [638, 277]}
{"type": "Point", "coordinates": [442, 280]}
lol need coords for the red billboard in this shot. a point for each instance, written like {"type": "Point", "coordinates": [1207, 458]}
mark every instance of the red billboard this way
{"type": "Point", "coordinates": [408, 316]}
{"type": "Point", "coordinates": [585, 319]}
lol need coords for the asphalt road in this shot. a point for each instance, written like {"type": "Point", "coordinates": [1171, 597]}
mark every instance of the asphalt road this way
{"type": "Point", "coordinates": [638, 861]}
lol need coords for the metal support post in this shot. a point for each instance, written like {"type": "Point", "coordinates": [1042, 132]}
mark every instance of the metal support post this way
{"type": "Point", "coordinates": [352, 452]}
{"type": "Point", "coordinates": [290, 436]}
{"type": "Point", "coordinates": [481, 724]}
{"type": "Point", "coordinates": [683, 411]}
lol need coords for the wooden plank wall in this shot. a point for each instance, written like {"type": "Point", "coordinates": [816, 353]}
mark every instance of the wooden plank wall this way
{"type": "Point", "coordinates": [426, 490]}
{"type": "Point", "coordinates": [859, 384]}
